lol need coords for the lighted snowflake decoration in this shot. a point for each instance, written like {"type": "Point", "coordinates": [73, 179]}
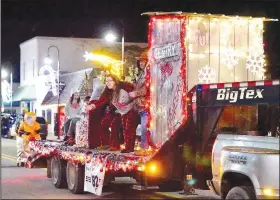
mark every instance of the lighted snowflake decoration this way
{"type": "Point", "coordinates": [255, 63]}
{"type": "Point", "coordinates": [206, 75]}
{"type": "Point", "coordinates": [6, 91]}
{"type": "Point", "coordinates": [230, 59]}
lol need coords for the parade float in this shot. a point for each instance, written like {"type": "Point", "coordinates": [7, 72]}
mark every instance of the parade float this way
{"type": "Point", "coordinates": [188, 52]}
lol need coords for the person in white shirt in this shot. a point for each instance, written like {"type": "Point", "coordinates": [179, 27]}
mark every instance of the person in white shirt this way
{"type": "Point", "coordinates": [73, 110]}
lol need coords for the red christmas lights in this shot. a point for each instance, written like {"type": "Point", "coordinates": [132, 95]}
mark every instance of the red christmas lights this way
{"type": "Point", "coordinates": [163, 18]}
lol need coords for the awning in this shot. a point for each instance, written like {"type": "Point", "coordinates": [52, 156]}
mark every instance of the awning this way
{"type": "Point", "coordinates": [25, 93]}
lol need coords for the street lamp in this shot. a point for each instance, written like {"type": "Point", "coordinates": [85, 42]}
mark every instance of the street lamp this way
{"type": "Point", "coordinates": [110, 37]}
{"type": "Point", "coordinates": [48, 61]}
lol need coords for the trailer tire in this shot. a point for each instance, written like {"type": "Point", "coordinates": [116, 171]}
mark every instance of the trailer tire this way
{"type": "Point", "coordinates": [58, 172]}
{"type": "Point", "coordinates": [49, 170]}
{"type": "Point", "coordinates": [75, 178]}
{"type": "Point", "coordinates": [171, 186]}
{"type": "Point", "coordinates": [241, 192]}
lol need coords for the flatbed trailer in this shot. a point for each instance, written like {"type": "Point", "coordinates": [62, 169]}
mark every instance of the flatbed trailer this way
{"type": "Point", "coordinates": [66, 165]}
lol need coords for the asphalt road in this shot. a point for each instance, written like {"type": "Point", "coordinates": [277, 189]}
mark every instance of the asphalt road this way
{"type": "Point", "coordinates": [23, 183]}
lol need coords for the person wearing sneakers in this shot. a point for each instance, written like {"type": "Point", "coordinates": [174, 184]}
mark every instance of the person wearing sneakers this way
{"type": "Point", "coordinates": [139, 94]}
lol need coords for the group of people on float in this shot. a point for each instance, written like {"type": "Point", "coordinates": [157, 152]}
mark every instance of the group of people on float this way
{"type": "Point", "coordinates": [120, 104]}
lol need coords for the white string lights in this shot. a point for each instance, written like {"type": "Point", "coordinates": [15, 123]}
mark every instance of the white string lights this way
{"type": "Point", "coordinates": [6, 91]}
{"type": "Point", "coordinates": [255, 60]}
{"type": "Point", "coordinates": [235, 42]}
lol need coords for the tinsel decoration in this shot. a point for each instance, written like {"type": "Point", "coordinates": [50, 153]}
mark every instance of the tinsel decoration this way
{"type": "Point", "coordinates": [115, 161]}
{"type": "Point", "coordinates": [166, 70]}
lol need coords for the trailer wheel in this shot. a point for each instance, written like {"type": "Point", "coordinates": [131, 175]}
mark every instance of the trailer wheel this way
{"type": "Point", "coordinates": [171, 186]}
{"type": "Point", "coordinates": [49, 170]}
{"type": "Point", "coordinates": [58, 172]}
{"type": "Point", "coordinates": [241, 192]}
{"type": "Point", "coordinates": [75, 178]}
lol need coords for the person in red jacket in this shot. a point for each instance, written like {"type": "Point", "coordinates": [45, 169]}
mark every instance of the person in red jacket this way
{"type": "Point", "coordinates": [124, 104]}
{"type": "Point", "coordinates": [95, 138]}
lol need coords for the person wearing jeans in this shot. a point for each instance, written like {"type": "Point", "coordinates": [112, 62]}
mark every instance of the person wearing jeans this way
{"type": "Point", "coordinates": [144, 124]}
{"type": "Point", "coordinates": [139, 95]}
{"type": "Point", "coordinates": [73, 111]}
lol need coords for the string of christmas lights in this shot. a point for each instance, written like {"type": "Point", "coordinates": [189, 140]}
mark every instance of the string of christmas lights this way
{"type": "Point", "coordinates": [154, 20]}
{"type": "Point", "coordinates": [113, 161]}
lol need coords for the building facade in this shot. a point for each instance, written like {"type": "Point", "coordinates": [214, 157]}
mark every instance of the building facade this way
{"type": "Point", "coordinates": [68, 53]}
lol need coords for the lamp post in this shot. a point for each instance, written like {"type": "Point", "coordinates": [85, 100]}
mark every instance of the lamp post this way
{"type": "Point", "coordinates": [48, 62]}
{"type": "Point", "coordinates": [110, 37]}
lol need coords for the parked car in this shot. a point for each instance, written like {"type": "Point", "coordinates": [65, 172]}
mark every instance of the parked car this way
{"type": "Point", "coordinates": [13, 130]}
{"type": "Point", "coordinates": [6, 122]}
{"type": "Point", "coordinates": [44, 127]}
{"type": "Point", "coordinates": [40, 120]}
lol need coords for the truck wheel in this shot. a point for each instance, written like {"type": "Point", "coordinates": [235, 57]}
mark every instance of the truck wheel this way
{"type": "Point", "coordinates": [171, 186]}
{"type": "Point", "coordinates": [241, 192]}
{"type": "Point", "coordinates": [58, 172]}
{"type": "Point", "coordinates": [49, 170]}
{"type": "Point", "coordinates": [75, 178]}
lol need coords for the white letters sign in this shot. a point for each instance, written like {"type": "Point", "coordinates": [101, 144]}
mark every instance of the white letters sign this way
{"type": "Point", "coordinates": [167, 51]}
{"type": "Point", "coordinates": [243, 93]}
{"type": "Point", "coordinates": [94, 178]}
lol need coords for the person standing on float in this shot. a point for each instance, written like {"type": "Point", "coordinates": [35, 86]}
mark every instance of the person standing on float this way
{"type": "Point", "coordinates": [125, 105]}
{"type": "Point", "coordinates": [140, 95]}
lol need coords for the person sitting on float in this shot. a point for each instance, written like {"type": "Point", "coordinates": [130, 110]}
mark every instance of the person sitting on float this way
{"type": "Point", "coordinates": [124, 104]}
{"type": "Point", "coordinates": [73, 115]}
{"type": "Point", "coordinates": [29, 130]}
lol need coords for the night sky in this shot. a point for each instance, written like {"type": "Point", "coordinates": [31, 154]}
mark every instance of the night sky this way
{"type": "Point", "coordinates": [24, 19]}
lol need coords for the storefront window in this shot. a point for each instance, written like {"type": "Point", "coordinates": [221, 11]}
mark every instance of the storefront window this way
{"type": "Point", "coordinates": [49, 116]}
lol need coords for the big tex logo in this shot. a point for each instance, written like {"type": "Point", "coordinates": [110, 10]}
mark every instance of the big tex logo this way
{"type": "Point", "coordinates": [241, 93]}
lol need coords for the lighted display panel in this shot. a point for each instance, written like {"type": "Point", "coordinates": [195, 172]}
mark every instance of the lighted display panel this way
{"type": "Point", "coordinates": [188, 49]}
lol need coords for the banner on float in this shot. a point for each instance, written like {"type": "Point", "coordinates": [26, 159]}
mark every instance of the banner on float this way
{"type": "Point", "coordinates": [94, 178]}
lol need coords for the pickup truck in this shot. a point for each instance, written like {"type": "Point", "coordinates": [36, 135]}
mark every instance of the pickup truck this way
{"type": "Point", "coordinates": [245, 167]}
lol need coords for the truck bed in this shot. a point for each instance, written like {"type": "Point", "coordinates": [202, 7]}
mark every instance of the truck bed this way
{"type": "Point", "coordinates": [114, 160]}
